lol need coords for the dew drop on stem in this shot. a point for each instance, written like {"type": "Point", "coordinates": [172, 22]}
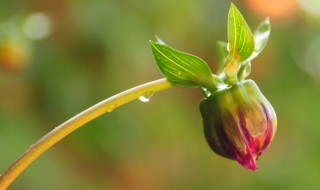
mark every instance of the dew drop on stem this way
{"type": "Point", "coordinates": [146, 97]}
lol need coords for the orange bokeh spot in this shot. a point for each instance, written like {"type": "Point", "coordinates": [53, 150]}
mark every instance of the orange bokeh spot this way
{"type": "Point", "coordinates": [13, 57]}
{"type": "Point", "coordinates": [275, 9]}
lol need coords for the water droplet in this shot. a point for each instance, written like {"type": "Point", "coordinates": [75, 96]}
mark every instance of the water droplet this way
{"type": "Point", "coordinates": [146, 97]}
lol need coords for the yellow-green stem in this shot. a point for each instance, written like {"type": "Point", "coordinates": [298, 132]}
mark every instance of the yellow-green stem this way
{"type": "Point", "coordinates": [231, 69]}
{"type": "Point", "coordinates": [74, 123]}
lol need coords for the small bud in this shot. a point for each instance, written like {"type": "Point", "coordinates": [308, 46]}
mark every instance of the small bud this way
{"type": "Point", "coordinates": [239, 122]}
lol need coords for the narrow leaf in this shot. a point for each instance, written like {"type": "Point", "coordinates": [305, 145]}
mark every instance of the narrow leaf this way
{"type": "Point", "coordinates": [261, 37]}
{"type": "Point", "coordinates": [241, 41]}
{"type": "Point", "coordinates": [181, 68]}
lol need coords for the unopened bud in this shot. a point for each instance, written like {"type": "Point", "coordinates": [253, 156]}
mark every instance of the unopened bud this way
{"type": "Point", "coordinates": [239, 122]}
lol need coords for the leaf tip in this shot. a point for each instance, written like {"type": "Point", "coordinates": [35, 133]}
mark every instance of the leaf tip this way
{"type": "Point", "coordinates": [153, 44]}
{"type": "Point", "coordinates": [267, 20]}
{"type": "Point", "coordinates": [232, 7]}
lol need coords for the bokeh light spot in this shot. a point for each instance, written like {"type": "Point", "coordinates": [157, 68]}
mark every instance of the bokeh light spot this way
{"type": "Point", "coordinates": [312, 7]}
{"type": "Point", "coordinates": [37, 26]}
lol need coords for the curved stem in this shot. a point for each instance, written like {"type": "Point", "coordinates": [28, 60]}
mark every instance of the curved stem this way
{"type": "Point", "coordinates": [76, 122]}
{"type": "Point", "coordinates": [244, 71]}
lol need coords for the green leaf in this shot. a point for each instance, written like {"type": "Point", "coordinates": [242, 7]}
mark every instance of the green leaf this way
{"type": "Point", "coordinates": [261, 37]}
{"type": "Point", "coordinates": [222, 55]}
{"type": "Point", "coordinates": [240, 38]}
{"type": "Point", "coordinates": [182, 69]}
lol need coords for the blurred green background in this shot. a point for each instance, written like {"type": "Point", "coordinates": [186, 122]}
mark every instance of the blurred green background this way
{"type": "Point", "coordinates": [59, 57]}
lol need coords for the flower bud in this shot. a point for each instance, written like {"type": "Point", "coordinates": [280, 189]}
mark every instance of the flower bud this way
{"type": "Point", "coordinates": [239, 122]}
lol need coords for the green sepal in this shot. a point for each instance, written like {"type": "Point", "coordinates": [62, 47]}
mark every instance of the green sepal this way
{"type": "Point", "coordinates": [182, 69]}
